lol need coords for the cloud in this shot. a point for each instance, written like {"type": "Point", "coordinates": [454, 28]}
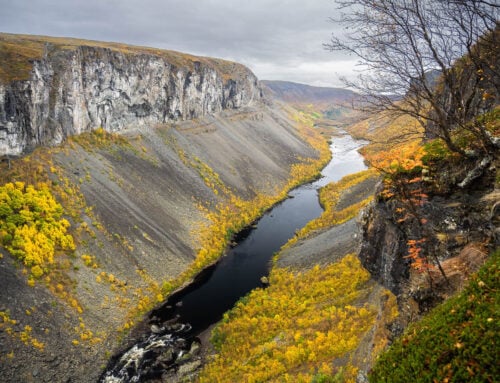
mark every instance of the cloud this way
{"type": "Point", "coordinates": [277, 39]}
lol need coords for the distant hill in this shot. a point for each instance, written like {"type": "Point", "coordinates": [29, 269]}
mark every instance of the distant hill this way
{"type": "Point", "coordinates": [300, 93]}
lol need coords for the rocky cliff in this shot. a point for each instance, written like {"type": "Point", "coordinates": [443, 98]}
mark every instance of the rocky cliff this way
{"type": "Point", "coordinates": [458, 228]}
{"type": "Point", "coordinates": [53, 88]}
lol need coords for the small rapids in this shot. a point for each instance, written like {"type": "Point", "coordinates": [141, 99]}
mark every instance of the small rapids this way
{"type": "Point", "coordinates": [163, 350]}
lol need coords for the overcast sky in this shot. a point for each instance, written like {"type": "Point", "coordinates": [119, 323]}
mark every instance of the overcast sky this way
{"type": "Point", "coordinates": [277, 39]}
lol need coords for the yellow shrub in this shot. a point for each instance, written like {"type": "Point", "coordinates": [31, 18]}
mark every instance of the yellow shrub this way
{"type": "Point", "coordinates": [36, 271]}
{"type": "Point", "coordinates": [31, 227]}
{"type": "Point", "coordinates": [25, 336]}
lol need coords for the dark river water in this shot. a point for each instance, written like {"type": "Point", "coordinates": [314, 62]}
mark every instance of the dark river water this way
{"type": "Point", "coordinates": [217, 289]}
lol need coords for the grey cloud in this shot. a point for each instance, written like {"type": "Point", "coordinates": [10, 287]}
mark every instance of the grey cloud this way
{"type": "Point", "coordinates": [283, 36]}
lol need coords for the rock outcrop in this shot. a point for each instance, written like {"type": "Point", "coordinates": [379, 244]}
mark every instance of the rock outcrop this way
{"type": "Point", "coordinates": [383, 247]}
{"type": "Point", "coordinates": [455, 221]}
{"type": "Point", "coordinates": [74, 87]}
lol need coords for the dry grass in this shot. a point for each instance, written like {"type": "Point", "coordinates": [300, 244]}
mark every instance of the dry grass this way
{"type": "Point", "coordinates": [16, 58]}
{"type": "Point", "coordinates": [385, 132]}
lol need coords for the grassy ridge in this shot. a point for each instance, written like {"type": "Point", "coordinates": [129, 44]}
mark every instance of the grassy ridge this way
{"type": "Point", "coordinates": [458, 342]}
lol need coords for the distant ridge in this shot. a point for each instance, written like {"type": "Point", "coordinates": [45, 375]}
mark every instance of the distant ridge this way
{"type": "Point", "coordinates": [301, 93]}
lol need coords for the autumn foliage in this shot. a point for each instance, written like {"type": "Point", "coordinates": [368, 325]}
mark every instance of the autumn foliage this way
{"type": "Point", "coordinates": [403, 158]}
{"type": "Point", "coordinates": [294, 329]}
{"type": "Point", "coordinates": [406, 173]}
{"type": "Point", "coordinates": [8, 326]}
{"type": "Point", "coordinates": [31, 225]}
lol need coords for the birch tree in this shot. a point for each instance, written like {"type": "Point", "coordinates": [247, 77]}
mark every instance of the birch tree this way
{"type": "Point", "coordinates": [435, 60]}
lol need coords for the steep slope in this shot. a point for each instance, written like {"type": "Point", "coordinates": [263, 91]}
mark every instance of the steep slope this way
{"type": "Point", "coordinates": [143, 204]}
{"type": "Point", "coordinates": [458, 341]}
{"type": "Point", "coordinates": [433, 223]}
{"type": "Point", "coordinates": [51, 88]}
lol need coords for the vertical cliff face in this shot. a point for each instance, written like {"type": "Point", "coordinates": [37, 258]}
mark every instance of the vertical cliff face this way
{"type": "Point", "coordinates": [73, 87]}
{"type": "Point", "coordinates": [383, 248]}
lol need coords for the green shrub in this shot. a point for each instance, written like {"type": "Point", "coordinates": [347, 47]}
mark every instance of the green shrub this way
{"type": "Point", "coordinates": [435, 151]}
{"type": "Point", "coordinates": [459, 341]}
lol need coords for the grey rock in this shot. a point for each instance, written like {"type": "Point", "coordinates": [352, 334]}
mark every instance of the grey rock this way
{"type": "Point", "coordinates": [156, 329]}
{"type": "Point", "coordinates": [189, 367]}
{"type": "Point", "coordinates": [71, 91]}
{"type": "Point", "coordinates": [383, 247]}
{"type": "Point", "coordinates": [195, 348]}
{"type": "Point", "coordinates": [167, 356]}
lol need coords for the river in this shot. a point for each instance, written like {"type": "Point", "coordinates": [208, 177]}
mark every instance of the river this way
{"type": "Point", "coordinates": [191, 311]}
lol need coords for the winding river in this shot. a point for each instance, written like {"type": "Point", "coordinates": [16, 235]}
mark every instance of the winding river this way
{"type": "Point", "coordinates": [186, 314]}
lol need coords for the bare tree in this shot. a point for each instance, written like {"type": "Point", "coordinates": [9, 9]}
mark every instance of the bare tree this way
{"type": "Point", "coordinates": [436, 60]}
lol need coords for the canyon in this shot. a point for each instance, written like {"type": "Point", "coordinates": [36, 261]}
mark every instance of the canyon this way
{"type": "Point", "coordinates": [178, 116]}
{"type": "Point", "coordinates": [150, 152]}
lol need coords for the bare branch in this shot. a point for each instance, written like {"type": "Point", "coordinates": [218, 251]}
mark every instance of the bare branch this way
{"type": "Point", "coordinates": [401, 44]}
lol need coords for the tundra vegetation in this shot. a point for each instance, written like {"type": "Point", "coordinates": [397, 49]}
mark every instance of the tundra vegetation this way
{"type": "Point", "coordinates": [292, 330]}
{"type": "Point", "coordinates": [32, 227]}
{"type": "Point", "coordinates": [456, 342]}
